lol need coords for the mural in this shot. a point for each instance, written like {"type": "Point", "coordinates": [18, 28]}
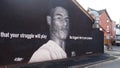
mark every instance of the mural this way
{"type": "Point", "coordinates": [48, 29]}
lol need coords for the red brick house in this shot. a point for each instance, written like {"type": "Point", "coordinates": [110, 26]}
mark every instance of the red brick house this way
{"type": "Point", "coordinates": [107, 25]}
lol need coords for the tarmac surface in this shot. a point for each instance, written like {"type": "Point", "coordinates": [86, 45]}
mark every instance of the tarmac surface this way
{"type": "Point", "coordinates": [115, 63]}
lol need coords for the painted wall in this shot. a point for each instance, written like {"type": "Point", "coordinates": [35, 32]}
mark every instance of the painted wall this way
{"type": "Point", "coordinates": [23, 29]}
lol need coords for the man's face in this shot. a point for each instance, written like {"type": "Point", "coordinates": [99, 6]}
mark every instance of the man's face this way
{"type": "Point", "coordinates": [60, 23]}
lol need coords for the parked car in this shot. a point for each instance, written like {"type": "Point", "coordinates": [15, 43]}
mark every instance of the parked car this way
{"type": "Point", "coordinates": [117, 38]}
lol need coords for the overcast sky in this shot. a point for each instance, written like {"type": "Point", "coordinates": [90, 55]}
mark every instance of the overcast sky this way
{"type": "Point", "coordinates": [112, 7]}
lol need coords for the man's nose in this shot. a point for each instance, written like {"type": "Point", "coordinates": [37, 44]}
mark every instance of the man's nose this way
{"type": "Point", "coordinates": [65, 23]}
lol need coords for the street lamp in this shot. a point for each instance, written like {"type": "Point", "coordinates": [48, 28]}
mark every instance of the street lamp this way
{"type": "Point", "coordinates": [97, 21]}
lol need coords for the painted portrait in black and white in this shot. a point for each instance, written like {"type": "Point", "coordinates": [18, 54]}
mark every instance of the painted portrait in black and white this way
{"type": "Point", "coordinates": [43, 30]}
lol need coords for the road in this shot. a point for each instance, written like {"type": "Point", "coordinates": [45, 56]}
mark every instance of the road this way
{"type": "Point", "coordinates": [112, 63]}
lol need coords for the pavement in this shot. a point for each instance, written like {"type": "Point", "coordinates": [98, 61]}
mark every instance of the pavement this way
{"type": "Point", "coordinates": [114, 63]}
{"type": "Point", "coordinates": [114, 52]}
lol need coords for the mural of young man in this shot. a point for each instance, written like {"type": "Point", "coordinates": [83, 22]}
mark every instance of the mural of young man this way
{"type": "Point", "coordinates": [58, 21]}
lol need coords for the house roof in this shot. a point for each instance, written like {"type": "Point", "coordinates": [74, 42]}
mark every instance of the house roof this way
{"type": "Point", "coordinates": [108, 15]}
{"type": "Point", "coordinates": [100, 12]}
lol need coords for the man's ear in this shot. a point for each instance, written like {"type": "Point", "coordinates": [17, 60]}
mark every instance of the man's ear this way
{"type": "Point", "coordinates": [49, 20]}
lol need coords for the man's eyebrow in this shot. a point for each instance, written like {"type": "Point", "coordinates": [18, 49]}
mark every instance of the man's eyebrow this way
{"type": "Point", "coordinates": [59, 14]}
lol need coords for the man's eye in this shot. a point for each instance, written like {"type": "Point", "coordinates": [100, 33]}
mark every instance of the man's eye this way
{"type": "Point", "coordinates": [58, 18]}
{"type": "Point", "coordinates": [67, 19]}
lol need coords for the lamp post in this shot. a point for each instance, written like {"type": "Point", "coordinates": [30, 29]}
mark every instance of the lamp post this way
{"type": "Point", "coordinates": [108, 38]}
{"type": "Point", "coordinates": [96, 24]}
{"type": "Point", "coordinates": [95, 15]}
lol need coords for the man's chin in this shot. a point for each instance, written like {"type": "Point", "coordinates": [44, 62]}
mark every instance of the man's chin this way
{"type": "Point", "coordinates": [63, 37]}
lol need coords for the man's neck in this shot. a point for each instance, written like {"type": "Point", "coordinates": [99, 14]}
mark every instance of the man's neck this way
{"type": "Point", "coordinates": [60, 42]}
